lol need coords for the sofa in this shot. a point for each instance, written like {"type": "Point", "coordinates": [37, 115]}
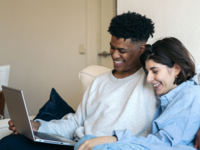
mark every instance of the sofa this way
{"type": "Point", "coordinates": [86, 76]}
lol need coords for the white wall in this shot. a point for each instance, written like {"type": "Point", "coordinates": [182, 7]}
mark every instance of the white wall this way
{"type": "Point", "coordinates": [40, 40]}
{"type": "Point", "coordinates": [177, 18]}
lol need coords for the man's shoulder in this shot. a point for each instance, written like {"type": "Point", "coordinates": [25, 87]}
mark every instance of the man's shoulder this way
{"type": "Point", "coordinates": [103, 75]}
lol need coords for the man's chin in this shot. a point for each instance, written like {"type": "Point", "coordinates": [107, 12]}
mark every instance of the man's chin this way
{"type": "Point", "coordinates": [118, 69]}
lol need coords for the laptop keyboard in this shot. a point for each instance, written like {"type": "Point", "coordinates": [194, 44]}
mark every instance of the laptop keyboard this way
{"type": "Point", "coordinates": [46, 136]}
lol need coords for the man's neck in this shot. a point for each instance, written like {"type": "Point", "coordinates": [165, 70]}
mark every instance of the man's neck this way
{"type": "Point", "coordinates": [124, 74]}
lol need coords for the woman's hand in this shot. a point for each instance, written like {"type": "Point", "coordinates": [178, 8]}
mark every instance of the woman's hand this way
{"type": "Point", "coordinates": [89, 144]}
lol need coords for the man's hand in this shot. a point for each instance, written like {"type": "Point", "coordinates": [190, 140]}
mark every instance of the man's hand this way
{"type": "Point", "coordinates": [12, 127]}
{"type": "Point", "coordinates": [197, 141]}
{"type": "Point", "coordinates": [89, 144]}
{"type": "Point", "coordinates": [35, 126]}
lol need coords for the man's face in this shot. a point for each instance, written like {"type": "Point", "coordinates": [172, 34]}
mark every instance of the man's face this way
{"type": "Point", "coordinates": [126, 55]}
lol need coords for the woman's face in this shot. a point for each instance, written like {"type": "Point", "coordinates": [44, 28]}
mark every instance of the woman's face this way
{"type": "Point", "coordinates": [161, 77]}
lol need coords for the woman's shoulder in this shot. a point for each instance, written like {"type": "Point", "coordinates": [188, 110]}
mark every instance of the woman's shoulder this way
{"type": "Point", "coordinates": [187, 98]}
{"type": "Point", "coordinates": [192, 96]}
{"type": "Point", "coordinates": [189, 92]}
{"type": "Point", "coordinates": [191, 88]}
{"type": "Point", "coordinates": [195, 89]}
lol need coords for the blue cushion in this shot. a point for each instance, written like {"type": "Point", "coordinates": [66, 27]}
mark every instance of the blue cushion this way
{"type": "Point", "coordinates": [54, 108]}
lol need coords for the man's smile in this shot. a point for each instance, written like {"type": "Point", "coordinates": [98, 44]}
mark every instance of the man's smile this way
{"type": "Point", "coordinates": [118, 62]}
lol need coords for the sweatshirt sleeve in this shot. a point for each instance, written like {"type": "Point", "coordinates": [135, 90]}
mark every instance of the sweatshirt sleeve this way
{"type": "Point", "coordinates": [69, 123]}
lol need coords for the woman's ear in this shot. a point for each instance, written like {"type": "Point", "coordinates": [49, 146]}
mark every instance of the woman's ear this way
{"type": "Point", "coordinates": [177, 69]}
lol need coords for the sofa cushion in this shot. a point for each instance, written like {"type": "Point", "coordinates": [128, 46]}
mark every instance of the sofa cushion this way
{"type": "Point", "coordinates": [54, 108]}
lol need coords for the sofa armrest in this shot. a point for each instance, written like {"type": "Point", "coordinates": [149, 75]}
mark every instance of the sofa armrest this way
{"type": "Point", "coordinates": [4, 128]}
{"type": "Point", "coordinates": [88, 74]}
{"type": "Point", "coordinates": [4, 131]}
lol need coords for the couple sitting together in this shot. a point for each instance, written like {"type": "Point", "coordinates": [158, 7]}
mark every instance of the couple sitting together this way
{"type": "Point", "coordinates": [148, 102]}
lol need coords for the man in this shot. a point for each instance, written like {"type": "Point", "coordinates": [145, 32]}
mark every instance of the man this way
{"type": "Point", "coordinates": [115, 100]}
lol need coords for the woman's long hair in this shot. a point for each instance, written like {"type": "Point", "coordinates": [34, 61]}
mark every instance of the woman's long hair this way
{"type": "Point", "coordinates": [169, 51]}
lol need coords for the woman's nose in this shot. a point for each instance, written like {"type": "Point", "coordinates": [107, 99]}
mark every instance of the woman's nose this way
{"type": "Point", "coordinates": [149, 78]}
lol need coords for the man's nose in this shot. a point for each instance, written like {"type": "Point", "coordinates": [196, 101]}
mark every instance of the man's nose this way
{"type": "Point", "coordinates": [115, 54]}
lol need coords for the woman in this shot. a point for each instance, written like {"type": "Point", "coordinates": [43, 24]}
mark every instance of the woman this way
{"type": "Point", "coordinates": [169, 68]}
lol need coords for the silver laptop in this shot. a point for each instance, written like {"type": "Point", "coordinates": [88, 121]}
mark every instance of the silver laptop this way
{"type": "Point", "coordinates": [19, 115]}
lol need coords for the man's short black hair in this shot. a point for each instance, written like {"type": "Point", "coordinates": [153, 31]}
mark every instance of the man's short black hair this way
{"type": "Point", "coordinates": [131, 25]}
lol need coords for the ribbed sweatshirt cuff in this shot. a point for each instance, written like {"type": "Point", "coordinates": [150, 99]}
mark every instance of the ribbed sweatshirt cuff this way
{"type": "Point", "coordinates": [43, 125]}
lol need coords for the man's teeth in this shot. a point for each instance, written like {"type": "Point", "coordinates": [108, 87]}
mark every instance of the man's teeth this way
{"type": "Point", "coordinates": [118, 62]}
{"type": "Point", "coordinates": [155, 85]}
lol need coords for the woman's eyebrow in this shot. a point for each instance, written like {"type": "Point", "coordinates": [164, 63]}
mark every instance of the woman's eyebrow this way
{"type": "Point", "coordinates": [153, 68]}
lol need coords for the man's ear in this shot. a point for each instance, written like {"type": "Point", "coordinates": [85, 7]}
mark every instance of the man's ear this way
{"type": "Point", "coordinates": [142, 48]}
{"type": "Point", "coordinates": [177, 69]}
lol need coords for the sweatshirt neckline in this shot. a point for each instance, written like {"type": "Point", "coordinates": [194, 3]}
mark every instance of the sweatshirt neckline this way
{"type": "Point", "coordinates": [121, 80]}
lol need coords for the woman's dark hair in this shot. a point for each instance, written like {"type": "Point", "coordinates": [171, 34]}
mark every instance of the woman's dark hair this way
{"type": "Point", "coordinates": [169, 51]}
{"type": "Point", "coordinates": [131, 25]}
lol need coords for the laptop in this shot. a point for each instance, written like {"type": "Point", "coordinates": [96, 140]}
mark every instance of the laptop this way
{"type": "Point", "coordinates": [19, 115]}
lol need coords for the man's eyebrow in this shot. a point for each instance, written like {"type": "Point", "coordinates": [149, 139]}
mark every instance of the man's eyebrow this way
{"type": "Point", "coordinates": [118, 48]}
{"type": "Point", "coordinates": [111, 45]}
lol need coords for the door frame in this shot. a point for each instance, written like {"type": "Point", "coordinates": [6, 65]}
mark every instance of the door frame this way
{"type": "Point", "coordinates": [93, 30]}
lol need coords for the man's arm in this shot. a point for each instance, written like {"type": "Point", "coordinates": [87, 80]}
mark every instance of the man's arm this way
{"type": "Point", "coordinates": [69, 123]}
{"type": "Point", "coordinates": [65, 126]}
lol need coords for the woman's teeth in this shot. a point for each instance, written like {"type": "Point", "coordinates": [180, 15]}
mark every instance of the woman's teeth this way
{"type": "Point", "coordinates": [156, 85]}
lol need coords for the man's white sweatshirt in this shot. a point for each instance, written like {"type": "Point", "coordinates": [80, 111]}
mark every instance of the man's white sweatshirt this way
{"type": "Point", "coordinates": [109, 104]}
